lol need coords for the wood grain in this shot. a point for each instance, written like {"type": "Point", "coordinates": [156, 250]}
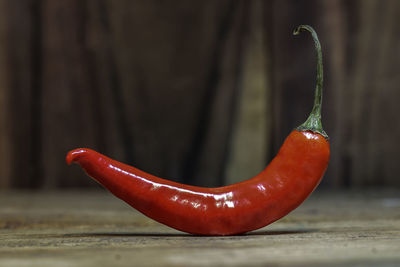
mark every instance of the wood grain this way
{"type": "Point", "coordinates": [95, 229]}
{"type": "Point", "coordinates": [168, 88]}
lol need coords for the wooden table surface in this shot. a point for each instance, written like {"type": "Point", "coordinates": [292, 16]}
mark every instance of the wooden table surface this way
{"type": "Point", "coordinates": [351, 228]}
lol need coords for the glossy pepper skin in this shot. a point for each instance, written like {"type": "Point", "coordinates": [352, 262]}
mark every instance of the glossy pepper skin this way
{"type": "Point", "coordinates": [281, 187]}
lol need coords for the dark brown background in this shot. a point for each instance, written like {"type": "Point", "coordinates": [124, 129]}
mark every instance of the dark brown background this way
{"type": "Point", "coordinates": [202, 92]}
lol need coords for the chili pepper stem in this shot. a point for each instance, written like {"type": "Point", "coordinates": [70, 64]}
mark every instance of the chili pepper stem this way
{"type": "Point", "coordinates": [313, 123]}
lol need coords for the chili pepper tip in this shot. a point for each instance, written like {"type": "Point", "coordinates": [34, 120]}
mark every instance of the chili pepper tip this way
{"type": "Point", "coordinates": [75, 154]}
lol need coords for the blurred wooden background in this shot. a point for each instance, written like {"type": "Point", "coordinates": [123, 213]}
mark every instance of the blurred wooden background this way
{"type": "Point", "coordinates": [201, 92]}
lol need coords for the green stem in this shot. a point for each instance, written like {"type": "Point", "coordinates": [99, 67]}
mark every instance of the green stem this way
{"type": "Point", "coordinates": [313, 123]}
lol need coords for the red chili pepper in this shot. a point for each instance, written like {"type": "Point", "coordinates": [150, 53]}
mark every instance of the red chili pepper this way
{"type": "Point", "coordinates": [281, 187]}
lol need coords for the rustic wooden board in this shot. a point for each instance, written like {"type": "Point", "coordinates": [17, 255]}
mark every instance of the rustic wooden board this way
{"type": "Point", "coordinates": [203, 92]}
{"type": "Point", "coordinates": [96, 229]}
